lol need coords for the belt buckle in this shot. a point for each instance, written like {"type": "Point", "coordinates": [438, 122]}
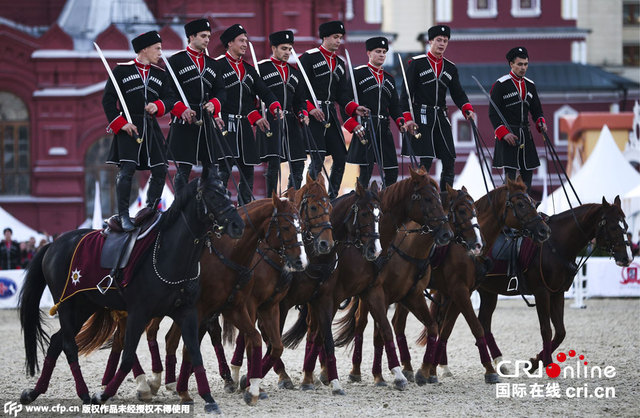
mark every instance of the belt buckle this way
{"type": "Point", "coordinates": [237, 116]}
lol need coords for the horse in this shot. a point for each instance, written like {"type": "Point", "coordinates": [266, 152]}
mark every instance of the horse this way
{"type": "Point", "coordinates": [415, 198]}
{"type": "Point", "coordinates": [553, 268]}
{"type": "Point", "coordinates": [160, 286]}
{"type": "Point", "coordinates": [454, 275]}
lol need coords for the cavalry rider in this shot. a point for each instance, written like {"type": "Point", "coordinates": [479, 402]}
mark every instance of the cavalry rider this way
{"type": "Point", "coordinates": [286, 83]}
{"type": "Point", "coordinates": [377, 91]}
{"type": "Point", "coordinates": [429, 76]}
{"type": "Point", "coordinates": [139, 145]}
{"type": "Point", "coordinates": [516, 96]}
{"type": "Point", "coordinates": [242, 83]}
{"type": "Point", "coordinates": [328, 76]}
{"type": "Point", "coordinates": [191, 135]}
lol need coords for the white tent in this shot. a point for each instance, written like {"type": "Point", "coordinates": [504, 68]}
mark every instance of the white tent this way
{"type": "Point", "coordinates": [631, 208]}
{"type": "Point", "coordinates": [141, 201]}
{"type": "Point", "coordinates": [471, 178]}
{"type": "Point", "coordinates": [21, 232]}
{"type": "Point", "coordinates": [605, 173]}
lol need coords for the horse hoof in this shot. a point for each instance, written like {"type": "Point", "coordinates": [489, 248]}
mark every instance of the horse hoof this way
{"type": "Point", "coordinates": [355, 377]}
{"type": "Point", "coordinates": [338, 392]}
{"type": "Point", "coordinates": [212, 408]}
{"type": "Point", "coordinates": [381, 384]}
{"type": "Point", "coordinates": [409, 375]}
{"type": "Point", "coordinates": [308, 386]}
{"type": "Point", "coordinates": [154, 383]}
{"type": "Point", "coordinates": [28, 396]}
{"type": "Point", "coordinates": [324, 378]}
{"type": "Point", "coordinates": [243, 382]}
{"type": "Point", "coordinates": [171, 387]}
{"type": "Point", "coordinates": [421, 380]}
{"type": "Point", "coordinates": [98, 398]}
{"type": "Point", "coordinates": [491, 378]}
{"type": "Point", "coordinates": [249, 398]}
{"type": "Point", "coordinates": [263, 395]}
{"type": "Point", "coordinates": [144, 396]}
{"type": "Point", "coordinates": [445, 372]}
{"type": "Point", "coordinates": [185, 399]}
{"type": "Point", "coordinates": [286, 384]}
{"type": "Point", "coordinates": [230, 386]}
{"type": "Point", "coordinates": [86, 399]}
{"type": "Point", "coordinates": [432, 379]}
{"type": "Point", "coordinates": [400, 384]}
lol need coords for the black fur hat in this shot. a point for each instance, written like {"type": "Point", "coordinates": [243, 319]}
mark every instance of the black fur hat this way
{"type": "Point", "coordinates": [329, 28]}
{"type": "Point", "coordinates": [196, 26]}
{"type": "Point", "coordinates": [517, 52]}
{"type": "Point", "coordinates": [439, 30]}
{"type": "Point", "coordinates": [231, 33]}
{"type": "Point", "coordinates": [282, 37]}
{"type": "Point", "coordinates": [146, 39]}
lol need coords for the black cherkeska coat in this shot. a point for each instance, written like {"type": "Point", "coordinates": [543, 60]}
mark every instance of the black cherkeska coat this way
{"type": "Point", "coordinates": [382, 100]}
{"type": "Point", "coordinates": [292, 95]}
{"type": "Point", "coordinates": [428, 96]}
{"type": "Point", "coordinates": [137, 94]}
{"type": "Point", "coordinates": [241, 100]}
{"type": "Point", "coordinates": [191, 143]}
{"type": "Point", "coordinates": [515, 110]}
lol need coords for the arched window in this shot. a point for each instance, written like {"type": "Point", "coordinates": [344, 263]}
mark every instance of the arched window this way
{"type": "Point", "coordinates": [15, 164]}
{"type": "Point", "coordinates": [558, 137]}
{"type": "Point", "coordinates": [461, 130]}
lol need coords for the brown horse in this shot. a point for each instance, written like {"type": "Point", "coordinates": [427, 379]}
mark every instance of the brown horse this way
{"type": "Point", "coordinates": [413, 199]}
{"type": "Point", "coordinates": [225, 282]}
{"type": "Point", "coordinates": [454, 276]}
{"type": "Point", "coordinates": [553, 268]}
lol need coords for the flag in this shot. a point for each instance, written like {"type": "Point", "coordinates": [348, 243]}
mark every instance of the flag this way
{"type": "Point", "coordinates": [96, 222]}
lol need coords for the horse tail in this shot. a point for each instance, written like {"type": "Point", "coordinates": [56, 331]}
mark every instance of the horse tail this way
{"type": "Point", "coordinates": [347, 324]}
{"type": "Point", "coordinates": [292, 338]}
{"type": "Point", "coordinates": [422, 338]}
{"type": "Point", "coordinates": [31, 316]}
{"type": "Point", "coordinates": [228, 330]}
{"type": "Point", "coordinates": [97, 330]}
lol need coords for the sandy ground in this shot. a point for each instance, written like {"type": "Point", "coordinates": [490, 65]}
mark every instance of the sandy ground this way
{"type": "Point", "coordinates": [607, 333]}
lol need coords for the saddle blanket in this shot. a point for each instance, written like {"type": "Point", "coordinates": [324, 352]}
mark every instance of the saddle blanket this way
{"type": "Point", "coordinates": [85, 271]}
{"type": "Point", "coordinates": [528, 249]}
{"type": "Point", "coordinates": [438, 256]}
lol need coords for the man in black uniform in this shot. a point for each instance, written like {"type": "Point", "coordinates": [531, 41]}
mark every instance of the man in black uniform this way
{"type": "Point", "coordinates": [328, 76]}
{"type": "Point", "coordinates": [242, 83]}
{"type": "Point", "coordinates": [516, 96]}
{"type": "Point", "coordinates": [286, 82]}
{"type": "Point", "coordinates": [138, 145]}
{"type": "Point", "coordinates": [429, 76]}
{"type": "Point", "coordinates": [377, 91]}
{"type": "Point", "coordinates": [204, 89]}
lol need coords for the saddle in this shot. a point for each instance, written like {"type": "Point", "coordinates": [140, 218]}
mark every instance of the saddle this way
{"type": "Point", "coordinates": [512, 255]}
{"type": "Point", "coordinates": [119, 244]}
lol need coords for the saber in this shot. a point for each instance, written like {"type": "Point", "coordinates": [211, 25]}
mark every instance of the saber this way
{"type": "Point", "coordinates": [306, 80]}
{"type": "Point", "coordinates": [125, 109]}
{"type": "Point", "coordinates": [406, 86]}
{"type": "Point", "coordinates": [262, 106]}
{"type": "Point", "coordinates": [178, 86]}
{"type": "Point", "coordinates": [495, 107]}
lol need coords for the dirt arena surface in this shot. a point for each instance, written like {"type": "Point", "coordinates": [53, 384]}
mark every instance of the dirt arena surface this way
{"type": "Point", "coordinates": [606, 333]}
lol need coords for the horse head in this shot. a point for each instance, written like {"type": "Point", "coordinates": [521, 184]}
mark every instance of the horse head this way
{"type": "Point", "coordinates": [217, 206]}
{"type": "Point", "coordinates": [314, 206]}
{"type": "Point", "coordinates": [521, 214]}
{"type": "Point", "coordinates": [284, 234]}
{"type": "Point", "coordinates": [611, 232]}
{"type": "Point", "coordinates": [363, 221]}
{"type": "Point", "coordinates": [463, 219]}
{"type": "Point", "coordinates": [425, 206]}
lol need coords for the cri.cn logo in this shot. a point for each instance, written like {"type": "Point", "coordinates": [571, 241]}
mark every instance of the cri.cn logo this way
{"type": "Point", "coordinates": [553, 370]}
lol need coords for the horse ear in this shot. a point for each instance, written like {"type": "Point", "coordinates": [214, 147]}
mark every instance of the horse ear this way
{"type": "Point", "coordinates": [275, 199]}
{"type": "Point", "coordinates": [291, 194]}
{"type": "Point", "coordinates": [604, 202]}
{"type": "Point", "coordinates": [309, 179]}
{"type": "Point", "coordinates": [617, 202]}
{"type": "Point", "coordinates": [464, 189]}
{"type": "Point", "coordinates": [374, 187]}
{"type": "Point", "coordinates": [449, 188]}
{"type": "Point", "coordinates": [359, 188]}
{"type": "Point", "coordinates": [320, 178]}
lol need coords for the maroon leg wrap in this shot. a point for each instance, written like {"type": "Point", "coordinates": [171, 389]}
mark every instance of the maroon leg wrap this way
{"type": "Point", "coordinates": [322, 356]}
{"type": "Point", "coordinates": [112, 366]}
{"type": "Point", "coordinates": [441, 348]}
{"type": "Point", "coordinates": [357, 350]}
{"type": "Point", "coordinates": [156, 363]}
{"type": "Point", "coordinates": [238, 354]}
{"type": "Point", "coordinates": [493, 347]}
{"type": "Point", "coordinates": [278, 366]}
{"type": "Point", "coordinates": [430, 352]}
{"type": "Point", "coordinates": [201, 380]}
{"type": "Point", "coordinates": [481, 343]}
{"type": "Point", "coordinates": [45, 376]}
{"type": "Point", "coordinates": [255, 366]}
{"type": "Point", "coordinates": [81, 387]}
{"type": "Point", "coordinates": [267, 363]}
{"type": "Point", "coordinates": [223, 367]}
{"type": "Point", "coordinates": [392, 357]}
{"type": "Point", "coordinates": [405, 356]}
{"type": "Point", "coordinates": [547, 350]}
{"type": "Point", "coordinates": [115, 383]}
{"type": "Point", "coordinates": [137, 368]}
{"type": "Point", "coordinates": [170, 376]}
{"type": "Point", "coordinates": [332, 369]}
{"type": "Point", "coordinates": [183, 379]}
{"type": "Point", "coordinates": [377, 359]}
{"type": "Point", "coordinates": [310, 359]}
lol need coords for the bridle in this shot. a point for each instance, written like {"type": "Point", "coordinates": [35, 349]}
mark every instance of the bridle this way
{"type": "Point", "coordinates": [309, 226]}
{"type": "Point", "coordinates": [609, 242]}
{"type": "Point", "coordinates": [285, 244]}
{"type": "Point", "coordinates": [430, 223]}
{"type": "Point", "coordinates": [460, 225]}
{"type": "Point", "coordinates": [361, 232]}
{"type": "Point", "coordinates": [527, 223]}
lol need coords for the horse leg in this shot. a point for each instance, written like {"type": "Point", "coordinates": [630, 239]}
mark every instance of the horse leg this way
{"type": "Point", "coordinates": [156, 362]}
{"type": "Point", "coordinates": [362, 317]}
{"type": "Point", "coordinates": [557, 319]}
{"type": "Point", "coordinates": [114, 355]}
{"type": "Point", "coordinates": [215, 335]}
{"type": "Point", "coordinates": [192, 335]}
{"type": "Point", "coordinates": [172, 339]}
{"type": "Point", "coordinates": [238, 358]}
{"type": "Point", "coordinates": [378, 351]}
{"type": "Point", "coordinates": [53, 352]}
{"type": "Point", "coordinates": [186, 368]}
{"type": "Point", "coordinates": [241, 320]}
{"type": "Point", "coordinates": [271, 333]}
{"type": "Point", "coordinates": [418, 306]}
{"type": "Point", "coordinates": [488, 302]}
{"type": "Point", "coordinates": [325, 319]}
{"type": "Point", "coordinates": [399, 322]}
{"type": "Point", "coordinates": [378, 306]}
{"type": "Point", "coordinates": [284, 381]}
{"type": "Point", "coordinates": [544, 313]}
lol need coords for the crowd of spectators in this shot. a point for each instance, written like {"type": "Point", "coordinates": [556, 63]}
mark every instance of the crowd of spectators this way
{"type": "Point", "coordinates": [17, 255]}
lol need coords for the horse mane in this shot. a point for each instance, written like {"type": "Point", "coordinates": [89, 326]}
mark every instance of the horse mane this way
{"type": "Point", "coordinates": [342, 204]}
{"type": "Point", "coordinates": [486, 202]}
{"type": "Point", "coordinates": [567, 216]}
{"type": "Point", "coordinates": [183, 197]}
{"type": "Point", "coordinates": [394, 195]}
{"type": "Point", "coordinates": [315, 188]}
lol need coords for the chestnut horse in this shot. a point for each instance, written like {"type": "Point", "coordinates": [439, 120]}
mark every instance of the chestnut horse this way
{"type": "Point", "coordinates": [413, 199]}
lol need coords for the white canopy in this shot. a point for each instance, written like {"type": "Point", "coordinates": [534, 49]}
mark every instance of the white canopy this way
{"type": "Point", "coordinates": [471, 178]}
{"type": "Point", "coordinates": [606, 173]}
{"type": "Point", "coordinates": [21, 232]}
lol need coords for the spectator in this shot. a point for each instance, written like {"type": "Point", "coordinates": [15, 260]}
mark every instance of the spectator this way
{"type": "Point", "coordinates": [9, 252]}
{"type": "Point", "coordinates": [28, 250]}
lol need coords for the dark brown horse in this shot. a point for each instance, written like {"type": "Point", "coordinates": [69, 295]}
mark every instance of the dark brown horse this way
{"type": "Point", "coordinates": [553, 268]}
{"type": "Point", "coordinates": [413, 199]}
{"type": "Point", "coordinates": [454, 276]}
{"type": "Point", "coordinates": [225, 282]}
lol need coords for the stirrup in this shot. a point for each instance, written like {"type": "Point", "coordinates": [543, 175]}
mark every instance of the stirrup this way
{"type": "Point", "coordinates": [515, 287]}
{"type": "Point", "coordinates": [101, 289]}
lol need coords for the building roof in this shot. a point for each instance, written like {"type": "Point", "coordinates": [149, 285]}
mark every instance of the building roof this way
{"type": "Point", "coordinates": [497, 33]}
{"type": "Point", "coordinates": [574, 125]}
{"type": "Point", "coordinates": [548, 77]}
